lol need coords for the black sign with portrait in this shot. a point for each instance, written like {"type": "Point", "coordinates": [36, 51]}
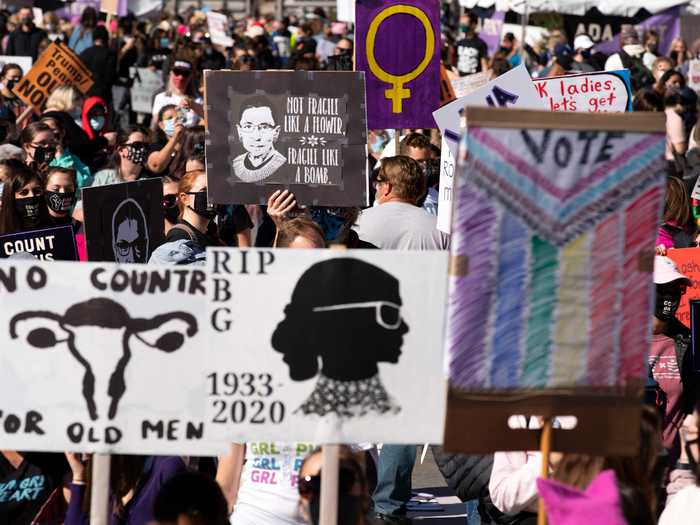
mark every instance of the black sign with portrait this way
{"type": "Point", "coordinates": [49, 244]}
{"type": "Point", "coordinates": [124, 222]}
{"type": "Point", "coordinates": [305, 131]}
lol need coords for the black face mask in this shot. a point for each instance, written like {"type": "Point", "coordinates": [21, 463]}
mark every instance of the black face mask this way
{"type": "Point", "coordinates": [10, 84]}
{"type": "Point", "coordinates": [136, 152]}
{"type": "Point", "coordinates": [29, 210]}
{"type": "Point", "coordinates": [60, 202]}
{"type": "Point", "coordinates": [668, 298]}
{"type": "Point", "coordinates": [44, 155]}
{"type": "Point", "coordinates": [349, 509]}
{"type": "Point", "coordinates": [201, 207]}
{"type": "Point", "coordinates": [170, 208]}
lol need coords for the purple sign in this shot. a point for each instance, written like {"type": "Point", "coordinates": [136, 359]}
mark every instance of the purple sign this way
{"type": "Point", "coordinates": [667, 23]}
{"type": "Point", "coordinates": [490, 30]}
{"type": "Point", "coordinates": [398, 48]}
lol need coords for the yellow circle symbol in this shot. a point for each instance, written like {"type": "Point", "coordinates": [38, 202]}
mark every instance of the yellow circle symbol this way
{"type": "Point", "coordinates": [397, 92]}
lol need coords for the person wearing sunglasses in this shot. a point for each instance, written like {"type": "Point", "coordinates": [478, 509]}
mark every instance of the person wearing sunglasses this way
{"type": "Point", "coordinates": [353, 494]}
{"type": "Point", "coordinates": [38, 141]}
{"type": "Point", "coordinates": [319, 321]}
{"type": "Point", "coordinates": [180, 87]}
{"type": "Point", "coordinates": [171, 211]}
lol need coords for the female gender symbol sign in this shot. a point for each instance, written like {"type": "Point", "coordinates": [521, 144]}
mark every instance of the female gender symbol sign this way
{"type": "Point", "coordinates": [397, 92]}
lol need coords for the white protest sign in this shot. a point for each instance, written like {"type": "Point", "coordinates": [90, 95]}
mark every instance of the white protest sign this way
{"type": "Point", "coordinates": [218, 29]}
{"type": "Point", "coordinates": [599, 92]}
{"type": "Point", "coordinates": [22, 61]}
{"type": "Point", "coordinates": [326, 346]}
{"type": "Point", "coordinates": [146, 84]}
{"type": "Point", "coordinates": [99, 357]}
{"type": "Point", "coordinates": [464, 85]}
{"type": "Point", "coordinates": [446, 185]}
{"type": "Point", "coordinates": [694, 75]}
{"type": "Point", "coordinates": [512, 89]}
{"type": "Point", "coordinates": [345, 11]}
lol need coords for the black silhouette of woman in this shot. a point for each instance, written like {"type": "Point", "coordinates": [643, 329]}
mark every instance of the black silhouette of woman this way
{"type": "Point", "coordinates": [348, 313]}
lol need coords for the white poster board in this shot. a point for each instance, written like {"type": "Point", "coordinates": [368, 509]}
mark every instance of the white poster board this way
{"type": "Point", "coordinates": [326, 346]}
{"type": "Point", "coordinates": [99, 357]}
{"type": "Point", "coordinates": [146, 84]}
{"type": "Point", "coordinates": [512, 89]}
{"type": "Point", "coordinates": [345, 10]}
{"type": "Point", "coordinates": [22, 61]}
{"type": "Point", "coordinates": [218, 29]}
{"type": "Point", "coordinates": [464, 85]}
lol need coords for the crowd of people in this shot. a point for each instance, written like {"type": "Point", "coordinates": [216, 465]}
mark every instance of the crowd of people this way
{"type": "Point", "coordinates": [81, 141]}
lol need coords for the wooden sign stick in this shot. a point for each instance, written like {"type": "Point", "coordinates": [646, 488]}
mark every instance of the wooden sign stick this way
{"type": "Point", "coordinates": [99, 502]}
{"type": "Point", "coordinates": [545, 448]}
{"type": "Point", "coordinates": [397, 141]}
{"type": "Point", "coordinates": [330, 456]}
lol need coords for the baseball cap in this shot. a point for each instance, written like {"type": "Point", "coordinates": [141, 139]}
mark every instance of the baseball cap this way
{"type": "Point", "coordinates": [666, 271]}
{"type": "Point", "coordinates": [583, 42]}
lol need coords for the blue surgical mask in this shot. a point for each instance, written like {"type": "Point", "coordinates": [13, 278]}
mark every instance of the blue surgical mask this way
{"type": "Point", "coordinates": [97, 123]}
{"type": "Point", "coordinates": [164, 42]}
{"type": "Point", "coordinates": [169, 126]}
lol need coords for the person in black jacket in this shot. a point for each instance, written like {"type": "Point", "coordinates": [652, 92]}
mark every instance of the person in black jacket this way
{"type": "Point", "coordinates": [25, 40]}
{"type": "Point", "coordinates": [102, 63]}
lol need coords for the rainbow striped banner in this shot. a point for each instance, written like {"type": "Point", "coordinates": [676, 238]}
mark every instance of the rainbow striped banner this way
{"type": "Point", "coordinates": [553, 213]}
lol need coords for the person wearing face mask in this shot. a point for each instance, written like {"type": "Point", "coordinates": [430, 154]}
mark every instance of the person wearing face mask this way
{"type": "Point", "coordinates": [581, 62]}
{"type": "Point", "coordinates": [211, 58]}
{"type": "Point", "coordinates": [195, 221]}
{"type": "Point", "coordinates": [23, 206]}
{"type": "Point", "coordinates": [39, 144]}
{"type": "Point", "coordinates": [11, 107]}
{"type": "Point", "coordinates": [171, 211]}
{"type": "Point", "coordinates": [26, 39]}
{"type": "Point", "coordinates": [170, 134]}
{"type": "Point", "coordinates": [670, 354]}
{"type": "Point", "coordinates": [180, 86]}
{"type": "Point", "coordinates": [472, 53]}
{"type": "Point", "coordinates": [95, 121]}
{"type": "Point", "coordinates": [353, 495]}
{"type": "Point", "coordinates": [129, 158]}
{"type": "Point", "coordinates": [60, 193]}
{"type": "Point", "coordinates": [65, 158]}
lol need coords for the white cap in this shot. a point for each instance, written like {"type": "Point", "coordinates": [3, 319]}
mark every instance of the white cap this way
{"type": "Point", "coordinates": [666, 271]}
{"type": "Point", "coordinates": [583, 42]}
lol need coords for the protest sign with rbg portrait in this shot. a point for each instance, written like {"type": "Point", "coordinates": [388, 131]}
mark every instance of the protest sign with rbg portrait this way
{"type": "Point", "coordinates": [303, 131]}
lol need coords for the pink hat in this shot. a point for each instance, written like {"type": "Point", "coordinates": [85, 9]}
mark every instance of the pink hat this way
{"type": "Point", "coordinates": [599, 503]}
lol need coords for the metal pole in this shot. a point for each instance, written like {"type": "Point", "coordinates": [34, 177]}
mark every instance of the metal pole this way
{"type": "Point", "coordinates": [99, 502]}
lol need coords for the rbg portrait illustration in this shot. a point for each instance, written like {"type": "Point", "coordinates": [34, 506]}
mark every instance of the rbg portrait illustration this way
{"type": "Point", "coordinates": [258, 129]}
{"type": "Point", "coordinates": [344, 317]}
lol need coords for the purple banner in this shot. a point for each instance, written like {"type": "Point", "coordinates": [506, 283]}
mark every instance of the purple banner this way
{"type": "Point", "coordinates": [667, 23]}
{"type": "Point", "coordinates": [398, 48]}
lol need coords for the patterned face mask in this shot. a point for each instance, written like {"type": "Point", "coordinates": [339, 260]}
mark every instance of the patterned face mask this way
{"type": "Point", "coordinates": [136, 152]}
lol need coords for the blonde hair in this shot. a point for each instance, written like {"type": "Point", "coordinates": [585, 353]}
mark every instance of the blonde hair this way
{"type": "Point", "coordinates": [64, 98]}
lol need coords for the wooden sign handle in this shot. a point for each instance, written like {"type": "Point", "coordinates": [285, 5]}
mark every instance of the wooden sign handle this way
{"type": "Point", "coordinates": [545, 448]}
{"type": "Point", "coordinates": [99, 502]}
{"type": "Point", "coordinates": [330, 456]}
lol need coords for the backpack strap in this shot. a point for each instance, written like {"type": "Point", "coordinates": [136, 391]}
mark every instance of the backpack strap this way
{"type": "Point", "coordinates": [189, 231]}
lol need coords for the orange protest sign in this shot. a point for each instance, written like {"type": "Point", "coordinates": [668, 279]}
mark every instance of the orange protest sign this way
{"type": "Point", "coordinates": [688, 262]}
{"type": "Point", "coordinates": [56, 66]}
